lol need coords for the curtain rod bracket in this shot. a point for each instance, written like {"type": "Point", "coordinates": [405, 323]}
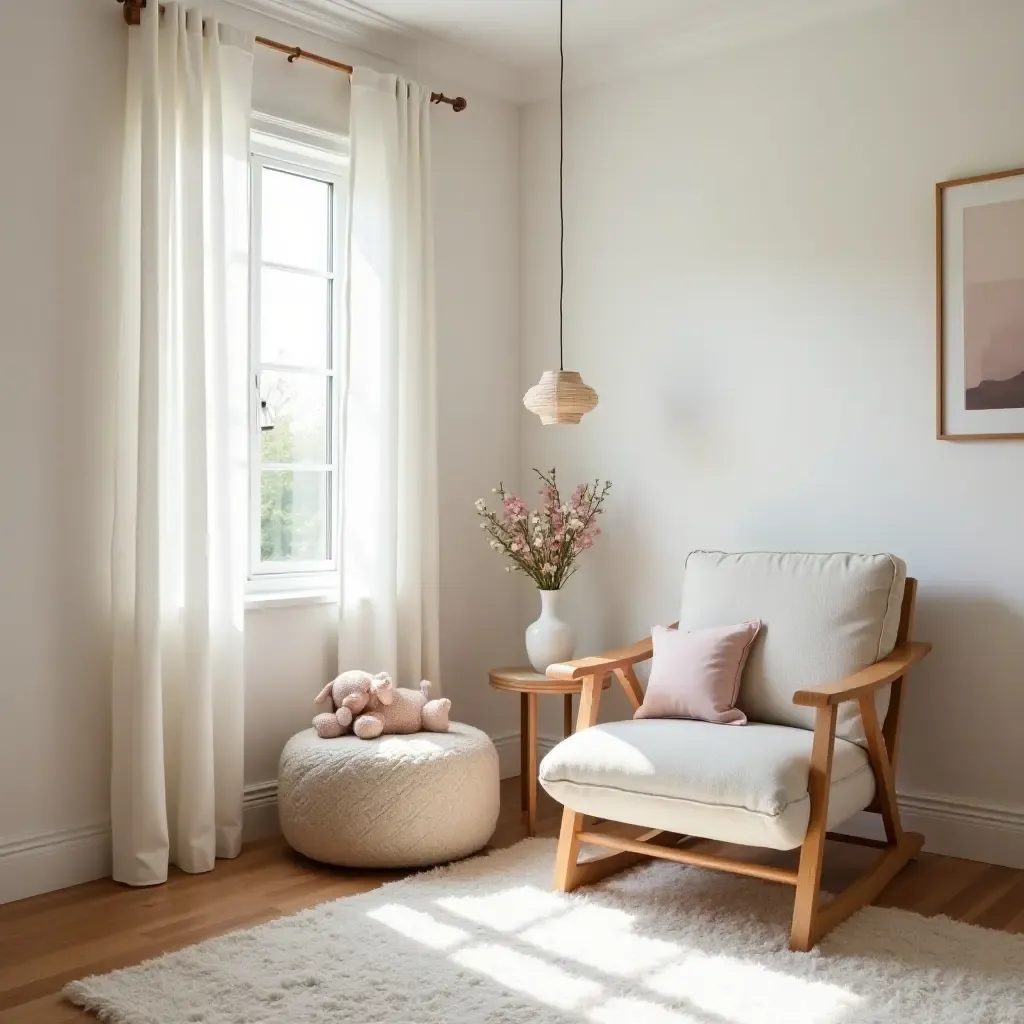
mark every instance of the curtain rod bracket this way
{"type": "Point", "coordinates": [132, 10]}
{"type": "Point", "coordinates": [295, 55]}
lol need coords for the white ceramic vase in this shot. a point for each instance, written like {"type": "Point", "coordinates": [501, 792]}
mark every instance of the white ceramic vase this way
{"type": "Point", "coordinates": [549, 639]}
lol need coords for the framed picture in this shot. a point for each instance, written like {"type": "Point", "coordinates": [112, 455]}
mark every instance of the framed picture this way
{"type": "Point", "coordinates": [980, 348]}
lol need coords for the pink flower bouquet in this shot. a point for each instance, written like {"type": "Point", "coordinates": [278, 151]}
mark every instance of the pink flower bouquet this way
{"type": "Point", "coordinates": [546, 543]}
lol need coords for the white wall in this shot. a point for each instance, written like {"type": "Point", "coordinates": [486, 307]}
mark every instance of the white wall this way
{"type": "Point", "coordinates": [59, 179]}
{"type": "Point", "coordinates": [61, 117]}
{"type": "Point", "coordinates": [750, 287]}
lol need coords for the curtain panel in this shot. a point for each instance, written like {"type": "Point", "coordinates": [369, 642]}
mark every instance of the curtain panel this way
{"type": "Point", "coordinates": [389, 501]}
{"type": "Point", "coordinates": [178, 554]}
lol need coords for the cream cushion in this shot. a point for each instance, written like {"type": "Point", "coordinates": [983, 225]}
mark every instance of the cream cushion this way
{"type": "Point", "coordinates": [395, 801]}
{"type": "Point", "coordinates": [744, 785]}
{"type": "Point", "coordinates": [824, 616]}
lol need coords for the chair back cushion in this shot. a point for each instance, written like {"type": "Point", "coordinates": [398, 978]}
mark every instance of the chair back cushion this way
{"type": "Point", "coordinates": [824, 616]}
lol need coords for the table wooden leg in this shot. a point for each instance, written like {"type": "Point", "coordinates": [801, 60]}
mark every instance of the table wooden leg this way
{"type": "Point", "coordinates": [567, 721]}
{"type": "Point", "coordinates": [524, 746]}
{"type": "Point", "coordinates": [531, 762]}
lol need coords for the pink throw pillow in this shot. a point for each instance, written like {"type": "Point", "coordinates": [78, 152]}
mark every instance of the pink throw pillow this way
{"type": "Point", "coordinates": [697, 675]}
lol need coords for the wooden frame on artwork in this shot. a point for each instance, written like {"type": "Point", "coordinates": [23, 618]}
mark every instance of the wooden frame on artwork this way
{"type": "Point", "coordinates": [979, 244]}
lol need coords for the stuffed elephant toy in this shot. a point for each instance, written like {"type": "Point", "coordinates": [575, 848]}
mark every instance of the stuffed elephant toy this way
{"type": "Point", "coordinates": [348, 695]}
{"type": "Point", "coordinates": [392, 709]}
{"type": "Point", "coordinates": [371, 706]}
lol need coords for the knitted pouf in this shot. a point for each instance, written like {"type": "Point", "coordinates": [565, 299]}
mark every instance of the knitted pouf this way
{"type": "Point", "coordinates": [392, 802]}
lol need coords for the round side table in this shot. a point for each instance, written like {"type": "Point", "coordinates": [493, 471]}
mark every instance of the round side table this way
{"type": "Point", "coordinates": [530, 685]}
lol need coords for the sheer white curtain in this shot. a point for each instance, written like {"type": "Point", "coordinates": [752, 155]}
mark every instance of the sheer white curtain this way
{"type": "Point", "coordinates": [389, 501]}
{"type": "Point", "coordinates": [182, 396]}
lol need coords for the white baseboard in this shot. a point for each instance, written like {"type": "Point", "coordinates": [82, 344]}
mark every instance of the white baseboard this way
{"type": "Point", "coordinates": [509, 754]}
{"type": "Point", "coordinates": [547, 743]}
{"type": "Point", "coordinates": [974, 830]}
{"type": "Point", "coordinates": [57, 860]}
{"type": "Point", "coordinates": [259, 811]}
{"type": "Point", "coordinates": [507, 745]}
{"type": "Point", "coordinates": [53, 860]}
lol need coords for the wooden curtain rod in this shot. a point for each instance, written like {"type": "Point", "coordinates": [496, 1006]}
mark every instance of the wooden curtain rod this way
{"type": "Point", "coordinates": [133, 15]}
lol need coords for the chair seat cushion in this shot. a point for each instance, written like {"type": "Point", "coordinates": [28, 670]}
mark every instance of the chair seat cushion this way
{"type": "Point", "coordinates": [744, 785]}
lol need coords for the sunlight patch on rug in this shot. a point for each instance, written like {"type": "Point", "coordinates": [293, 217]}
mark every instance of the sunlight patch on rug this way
{"type": "Point", "coordinates": [486, 942]}
{"type": "Point", "coordinates": [752, 994]}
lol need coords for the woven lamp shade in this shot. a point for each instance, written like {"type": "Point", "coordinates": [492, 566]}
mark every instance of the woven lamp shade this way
{"type": "Point", "coordinates": [560, 397]}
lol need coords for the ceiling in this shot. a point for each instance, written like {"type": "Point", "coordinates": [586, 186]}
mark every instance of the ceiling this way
{"type": "Point", "coordinates": [524, 33]}
{"type": "Point", "coordinates": [510, 47]}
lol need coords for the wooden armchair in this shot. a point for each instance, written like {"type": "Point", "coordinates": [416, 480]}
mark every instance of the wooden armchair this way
{"type": "Point", "coordinates": [826, 752]}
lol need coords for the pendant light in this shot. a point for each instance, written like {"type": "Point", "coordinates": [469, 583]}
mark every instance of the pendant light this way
{"type": "Point", "coordinates": [561, 396]}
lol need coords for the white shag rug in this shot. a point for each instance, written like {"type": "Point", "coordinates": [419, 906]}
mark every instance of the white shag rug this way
{"type": "Point", "coordinates": [485, 942]}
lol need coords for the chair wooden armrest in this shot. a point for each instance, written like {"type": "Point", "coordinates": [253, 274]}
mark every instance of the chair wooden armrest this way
{"type": "Point", "coordinates": [867, 679]}
{"type": "Point", "coordinates": [602, 664]}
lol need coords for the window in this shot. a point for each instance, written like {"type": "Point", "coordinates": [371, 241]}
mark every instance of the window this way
{"type": "Point", "coordinates": [296, 279]}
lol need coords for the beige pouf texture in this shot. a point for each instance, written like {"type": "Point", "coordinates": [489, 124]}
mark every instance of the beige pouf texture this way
{"type": "Point", "coordinates": [394, 802]}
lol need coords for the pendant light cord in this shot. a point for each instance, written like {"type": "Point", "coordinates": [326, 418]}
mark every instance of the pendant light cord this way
{"type": "Point", "coordinates": [561, 164]}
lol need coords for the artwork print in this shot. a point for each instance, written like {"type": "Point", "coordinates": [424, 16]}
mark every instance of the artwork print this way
{"type": "Point", "coordinates": [980, 242]}
{"type": "Point", "coordinates": [994, 305]}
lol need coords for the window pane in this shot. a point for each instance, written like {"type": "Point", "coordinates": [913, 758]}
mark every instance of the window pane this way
{"type": "Point", "coordinates": [294, 508]}
{"type": "Point", "coordinates": [294, 325]}
{"type": "Point", "coordinates": [296, 220]}
{"type": "Point", "coordinates": [298, 404]}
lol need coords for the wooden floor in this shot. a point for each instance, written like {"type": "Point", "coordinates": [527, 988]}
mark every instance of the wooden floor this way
{"type": "Point", "coordinates": [49, 940]}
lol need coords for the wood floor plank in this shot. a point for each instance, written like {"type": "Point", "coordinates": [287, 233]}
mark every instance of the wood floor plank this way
{"type": "Point", "coordinates": [1005, 901]}
{"type": "Point", "coordinates": [1002, 912]}
{"type": "Point", "coordinates": [49, 940]}
{"type": "Point", "coordinates": [942, 878]}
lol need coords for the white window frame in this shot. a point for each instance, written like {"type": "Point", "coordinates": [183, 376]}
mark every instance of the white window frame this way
{"type": "Point", "coordinates": [296, 149]}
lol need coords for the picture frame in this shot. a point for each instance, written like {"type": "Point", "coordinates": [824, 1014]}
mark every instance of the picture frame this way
{"type": "Point", "coordinates": [979, 229]}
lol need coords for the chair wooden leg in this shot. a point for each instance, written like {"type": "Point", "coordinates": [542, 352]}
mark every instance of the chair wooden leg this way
{"type": "Point", "coordinates": [885, 785]}
{"type": "Point", "coordinates": [571, 873]}
{"type": "Point", "coordinates": [568, 851]}
{"type": "Point", "coordinates": [593, 870]}
{"type": "Point", "coordinates": [860, 893]}
{"type": "Point", "coordinates": [812, 920]}
{"type": "Point", "coordinates": [812, 853]}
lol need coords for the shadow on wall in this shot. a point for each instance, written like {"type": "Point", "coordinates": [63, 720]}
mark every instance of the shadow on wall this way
{"type": "Point", "coordinates": [613, 590]}
{"type": "Point", "coordinates": [973, 677]}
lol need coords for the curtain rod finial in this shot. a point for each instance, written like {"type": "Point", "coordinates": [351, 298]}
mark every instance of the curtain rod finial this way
{"type": "Point", "coordinates": [457, 103]}
{"type": "Point", "coordinates": [132, 10]}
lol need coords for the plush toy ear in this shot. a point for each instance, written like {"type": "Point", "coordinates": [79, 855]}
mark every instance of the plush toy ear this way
{"type": "Point", "coordinates": [383, 688]}
{"type": "Point", "coordinates": [323, 694]}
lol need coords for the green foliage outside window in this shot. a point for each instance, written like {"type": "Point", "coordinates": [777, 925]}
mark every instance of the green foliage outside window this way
{"type": "Point", "coordinates": [293, 503]}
